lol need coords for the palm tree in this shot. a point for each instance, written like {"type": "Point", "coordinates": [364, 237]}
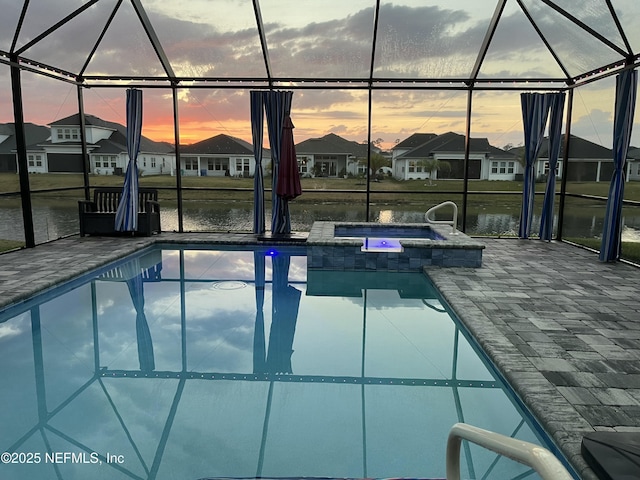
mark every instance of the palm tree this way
{"type": "Point", "coordinates": [434, 165]}
{"type": "Point", "coordinates": [377, 162]}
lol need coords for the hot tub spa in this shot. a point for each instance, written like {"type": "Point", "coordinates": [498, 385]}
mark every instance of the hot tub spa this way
{"type": "Point", "coordinates": [393, 247]}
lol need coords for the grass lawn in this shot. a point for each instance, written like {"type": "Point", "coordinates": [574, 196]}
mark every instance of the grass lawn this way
{"type": "Point", "coordinates": [314, 189]}
{"type": "Point", "coordinates": [9, 245]}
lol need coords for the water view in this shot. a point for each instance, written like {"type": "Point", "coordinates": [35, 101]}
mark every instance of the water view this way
{"type": "Point", "coordinates": [53, 220]}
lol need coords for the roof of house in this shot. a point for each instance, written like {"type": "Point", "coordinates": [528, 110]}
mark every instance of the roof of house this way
{"type": "Point", "coordinates": [579, 148]}
{"type": "Point", "coordinates": [451, 142]}
{"type": "Point", "coordinates": [34, 134]}
{"type": "Point", "coordinates": [117, 141]}
{"type": "Point", "coordinates": [415, 140]}
{"type": "Point", "coordinates": [6, 129]}
{"type": "Point", "coordinates": [331, 144]}
{"type": "Point", "coordinates": [634, 152]}
{"type": "Point", "coordinates": [74, 121]}
{"type": "Point", "coordinates": [221, 144]}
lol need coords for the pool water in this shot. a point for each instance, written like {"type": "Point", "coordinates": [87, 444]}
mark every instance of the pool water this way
{"type": "Point", "coordinates": [375, 230]}
{"type": "Point", "coordinates": [184, 362]}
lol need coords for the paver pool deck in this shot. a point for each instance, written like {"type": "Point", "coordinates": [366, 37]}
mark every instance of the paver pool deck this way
{"type": "Point", "coordinates": [562, 327]}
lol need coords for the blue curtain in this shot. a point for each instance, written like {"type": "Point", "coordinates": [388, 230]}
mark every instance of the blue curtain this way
{"type": "Point", "coordinates": [555, 139]}
{"type": "Point", "coordinates": [259, 346]}
{"type": "Point", "coordinates": [257, 119]}
{"type": "Point", "coordinates": [133, 277]}
{"type": "Point", "coordinates": [626, 89]}
{"type": "Point", "coordinates": [278, 108]}
{"type": "Point", "coordinates": [535, 109]}
{"type": "Point", "coordinates": [127, 213]}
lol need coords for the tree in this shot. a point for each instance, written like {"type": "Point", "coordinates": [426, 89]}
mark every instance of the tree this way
{"type": "Point", "coordinates": [434, 165]}
{"type": "Point", "coordinates": [376, 143]}
{"type": "Point", "coordinates": [518, 151]}
{"type": "Point", "coordinates": [377, 162]}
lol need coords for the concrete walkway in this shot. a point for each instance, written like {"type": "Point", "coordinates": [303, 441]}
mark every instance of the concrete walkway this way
{"type": "Point", "coordinates": [562, 327]}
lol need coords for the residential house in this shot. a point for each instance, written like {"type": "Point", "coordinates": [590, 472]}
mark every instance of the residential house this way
{"type": "Point", "coordinates": [331, 156]}
{"type": "Point", "coordinates": [411, 157]}
{"type": "Point", "coordinates": [222, 155]}
{"type": "Point", "coordinates": [633, 158]}
{"type": "Point", "coordinates": [34, 134]}
{"type": "Point", "coordinates": [588, 162]}
{"type": "Point", "coordinates": [408, 144]}
{"type": "Point", "coordinates": [106, 146]}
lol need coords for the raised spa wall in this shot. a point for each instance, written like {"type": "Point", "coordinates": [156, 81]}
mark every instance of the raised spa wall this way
{"type": "Point", "coordinates": [325, 250]}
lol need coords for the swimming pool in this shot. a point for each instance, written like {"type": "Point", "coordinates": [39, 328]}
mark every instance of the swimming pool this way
{"type": "Point", "coordinates": [186, 362]}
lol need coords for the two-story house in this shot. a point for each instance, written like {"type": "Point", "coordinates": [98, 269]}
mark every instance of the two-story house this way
{"type": "Point", "coordinates": [106, 146]}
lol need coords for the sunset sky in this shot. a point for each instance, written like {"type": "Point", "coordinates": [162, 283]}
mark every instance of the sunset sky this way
{"type": "Point", "coordinates": [319, 39]}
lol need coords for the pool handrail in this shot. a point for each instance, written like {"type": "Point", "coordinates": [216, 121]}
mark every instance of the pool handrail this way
{"type": "Point", "coordinates": [532, 455]}
{"type": "Point", "coordinates": [453, 222]}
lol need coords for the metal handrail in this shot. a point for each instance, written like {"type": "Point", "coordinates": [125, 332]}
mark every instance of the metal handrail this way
{"type": "Point", "coordinates": [453, 222]}
{"type": "Point", "coordinates": [534, 456]}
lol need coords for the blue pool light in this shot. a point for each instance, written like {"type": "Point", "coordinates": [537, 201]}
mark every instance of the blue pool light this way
{"type": "Point", "coordinates": [381, 245]}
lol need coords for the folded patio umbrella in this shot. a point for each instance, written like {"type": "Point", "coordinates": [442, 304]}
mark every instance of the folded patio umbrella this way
{"type": "Point", "coordinates": [259, 348]}
{"type": "Point", "coordinates": [288, 175]}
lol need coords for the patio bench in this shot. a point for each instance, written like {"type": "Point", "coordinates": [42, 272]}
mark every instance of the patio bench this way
{"type": "Point", "coordinates": [98, 217]}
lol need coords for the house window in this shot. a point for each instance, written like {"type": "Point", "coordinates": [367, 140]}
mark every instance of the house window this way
{"type": "Point", "coordinates": [144, 161]}
{"type": "Point", "coordinates": [216, 164]}
{"type": "Point", "coordinates": [242, 166]}
{"type": "Point", "coordinates": [38, 161]}
{"type": "Point", "coordinates": [67, 134]}
{"type": "Point", "coordinates": [153, 162]}
{"type": "Point", "coordinates": [105, 161]}
{"type": "Point", "coordinates": [412, 166]}
{"type": "Point", "coordinates": [191, 164]}
{"type": "Point", "coordinates": [503, 168]}
{"type": "Point", "coordinates": [60, 134]}
{"type": "Point", "coordinates": [546, 168]}
{"type": "Point", "coordinates": [32, 162]}
{"type": "Point", "coordinates": [303, 165]}
{"type": "Point", "coordinates": [74, 134]}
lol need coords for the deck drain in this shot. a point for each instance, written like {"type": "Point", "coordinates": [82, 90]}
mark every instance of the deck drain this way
{"type": "Point", "coordinates": [229, 285]}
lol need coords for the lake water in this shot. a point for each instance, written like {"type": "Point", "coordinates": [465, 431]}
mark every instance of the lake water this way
{"type": "Point", "coordinates": [53, 220]}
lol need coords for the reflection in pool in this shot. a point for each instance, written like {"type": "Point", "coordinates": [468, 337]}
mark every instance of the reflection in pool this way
{"type": "Point", "coordinates": [192, 363]}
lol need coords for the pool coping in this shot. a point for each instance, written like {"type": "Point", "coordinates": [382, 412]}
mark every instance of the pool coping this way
{"type": "Point", "coordinates": [322, 233]}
